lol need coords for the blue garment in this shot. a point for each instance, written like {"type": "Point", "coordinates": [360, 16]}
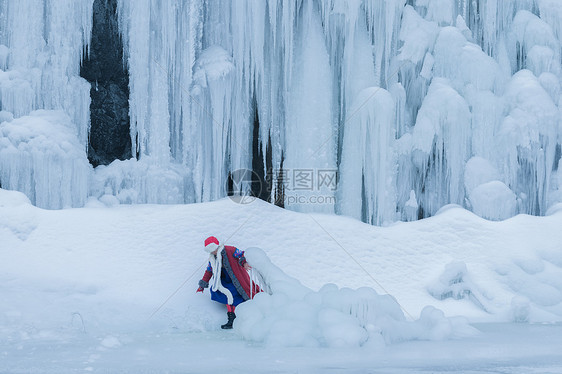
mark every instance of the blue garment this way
{"type": "Point", "coordinates": [227, 283]}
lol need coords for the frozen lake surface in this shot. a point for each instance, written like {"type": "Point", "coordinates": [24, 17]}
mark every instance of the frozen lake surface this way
{"type": "Point", "coordinates": [499, 348]}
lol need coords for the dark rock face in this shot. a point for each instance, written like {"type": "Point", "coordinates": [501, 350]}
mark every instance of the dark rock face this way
{"type": "Point", "coordinates": [104, 68]}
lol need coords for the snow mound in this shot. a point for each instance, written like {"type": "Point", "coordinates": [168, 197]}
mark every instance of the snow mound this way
{"type": "Point", "coordinates": [290, 314]}
{"type": "Point", "coordinates": [12, 199]}
{"type": "Point", "coordinates": [16, 214]}
{"type": "Point", "coordinates": [455, 283]}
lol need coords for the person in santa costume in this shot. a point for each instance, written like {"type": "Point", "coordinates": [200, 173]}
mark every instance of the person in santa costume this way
{"type": "Point", "coordinates": [227, 275]}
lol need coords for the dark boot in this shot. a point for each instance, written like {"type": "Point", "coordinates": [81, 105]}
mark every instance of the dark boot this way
{"type": "Point", "coordinates": [228, 325]}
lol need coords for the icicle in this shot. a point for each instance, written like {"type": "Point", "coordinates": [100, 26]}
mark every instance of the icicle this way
{"type": "Point", "coordinates": [399, 96]}
{"type": "Point", "coordinates": [411, 207]}
{"type": "Point", "coordinates": [213, 78]}
{"type": "Point", "coordinates": [161, 41]}
{"type": "Point", "coordinates": [310, 131]}
{"type": "Point", "coordinates": [440, 11]}
{"type": "Point", "coordinates": [43, 51]}
{"type": "Point", "coordinates": [383, 18]}
{"type": "Point", "coordinates": [551, 13]}
{"type": "Point", "coordinates": [527, 32]}
{"type": "Point", "coordinates": [441, 146]}
{"type": "Point", "coordinates": [527, 140]}
{"type": "Point", "coordinates": [367, 168]}
{"type": "Point", "coordinates": [487, 113]}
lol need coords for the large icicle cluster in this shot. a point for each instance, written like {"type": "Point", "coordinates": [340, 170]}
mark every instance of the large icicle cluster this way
{"type": "Point", "coordinates": [43, 152]}
{"type": "Point", "coordinates": [415, 104]}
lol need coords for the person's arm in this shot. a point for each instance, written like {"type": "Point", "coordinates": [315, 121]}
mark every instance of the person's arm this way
{"type": "Point", "coordinates": [204, 283]}
{"type": "Point", "coordinates": [239, 254]}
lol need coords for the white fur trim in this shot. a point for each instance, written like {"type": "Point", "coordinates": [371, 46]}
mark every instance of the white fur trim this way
{"type": "Point", "coordinates": [211, 247]}
{"type": "Point", "coordinates": [215, 282]}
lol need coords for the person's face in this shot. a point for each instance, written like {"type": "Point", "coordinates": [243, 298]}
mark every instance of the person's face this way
{"type": "Point", "coordinates": [214, 252]}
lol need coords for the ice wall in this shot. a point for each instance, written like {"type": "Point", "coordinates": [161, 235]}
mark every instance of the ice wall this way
{"type": "Point", "coordinates": [42, 44]}
{"type": "Point", "coordinates": [42, 156]}
{"type": "Point", "coordinates": [395, 96]}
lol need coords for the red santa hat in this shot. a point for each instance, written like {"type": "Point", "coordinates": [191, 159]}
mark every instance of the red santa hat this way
{"type": "Point", "coordinates": [211, 244]}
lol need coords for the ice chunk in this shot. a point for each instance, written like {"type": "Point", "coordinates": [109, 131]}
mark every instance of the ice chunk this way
{"type": "Point", "coordinates": [417, 34]}
{"type": "Point", "coordinates": [455, 283]}
{"type": "Point", "coordinates": [143, 181]}
{"type": "Point", "coordinates": [464, 63]}
{"type": "Point", "coordinates": [520, 308]}
{"type": "Point", "coordinates": [41, 155]}
{"type": "Point", "coordinates": [110, 342]}
{"type": "Point", "coordinates": [478, 171]}
{"type": "Point", "coordinates": [493, 200]}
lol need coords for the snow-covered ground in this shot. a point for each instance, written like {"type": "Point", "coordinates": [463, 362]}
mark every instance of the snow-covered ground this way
{"type": "Point", "coordinates": [111, 288]}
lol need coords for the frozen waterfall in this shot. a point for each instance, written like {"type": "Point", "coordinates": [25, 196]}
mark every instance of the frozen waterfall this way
{"type": "Point", "coordinates": [383, 110]}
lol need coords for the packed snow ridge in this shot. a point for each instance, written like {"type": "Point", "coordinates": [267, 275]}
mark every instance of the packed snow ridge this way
{"type": "Point", "coordinates": [407, 101]}
{"type": "Point", "coordinates": [108, 270]}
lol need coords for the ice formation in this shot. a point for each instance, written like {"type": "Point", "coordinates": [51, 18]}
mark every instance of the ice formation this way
{"type": "Point", "coordinates": [41, 155]}
{"type": "Point", "coordinates": [396, 96]}
{"type": "Point", "coordinates": [41, 47]}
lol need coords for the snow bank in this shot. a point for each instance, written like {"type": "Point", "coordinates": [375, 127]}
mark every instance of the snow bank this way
{"type": "Point", "coordinates": [107, 271]}
{"type": "Point", "coordinates": [17, 216]}
{"type": "Point", "coordinates": [12, 199]}
{"type": "Point", "coordinates": [290, 314]}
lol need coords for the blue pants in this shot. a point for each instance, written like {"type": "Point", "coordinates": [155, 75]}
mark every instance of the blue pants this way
{"type": "Point", "coordinates": [227, 283]}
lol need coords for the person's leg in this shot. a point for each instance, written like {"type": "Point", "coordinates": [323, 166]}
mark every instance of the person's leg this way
{"type": "Point", "coordinates": [231, 316]}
